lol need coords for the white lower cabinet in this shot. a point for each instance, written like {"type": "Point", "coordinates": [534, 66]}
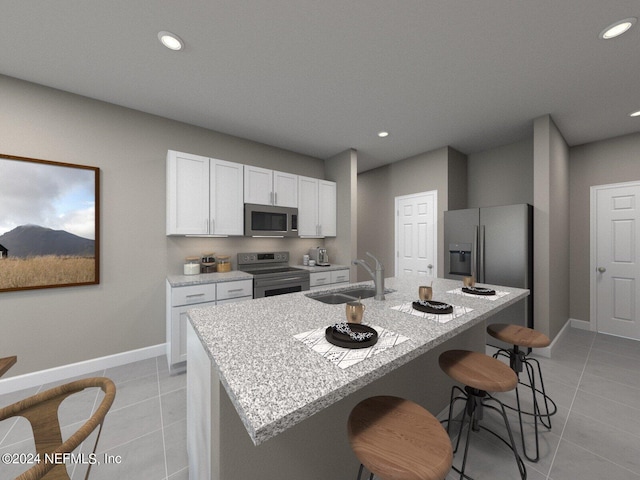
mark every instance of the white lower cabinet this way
{"type": "Point", "coordinates": [332, 278]}
{"type": "Point", "coordinates": [181, 299]}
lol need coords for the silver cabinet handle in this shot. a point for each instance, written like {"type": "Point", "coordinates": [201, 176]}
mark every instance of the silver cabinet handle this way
{"type": "Point", "coordinates": [429, 266]}
{"type": "Point", "coordinates": [270, 198]}
{"type": "Point", "coordinates": [195, 295]}
{"type": "Point", "coordinates": [235, 290]}
{"type": "Point", "coordinates": [275, 198]}
{"type": "Point", "coordinates": [602, 269]}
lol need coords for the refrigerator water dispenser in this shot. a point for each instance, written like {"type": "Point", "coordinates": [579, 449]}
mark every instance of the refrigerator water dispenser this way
{"type": "Point", "coordinates": [460, 259]}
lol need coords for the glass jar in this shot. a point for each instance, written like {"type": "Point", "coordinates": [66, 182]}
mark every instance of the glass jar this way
{"type": "Point", "coordinates": [192, 265]}
{"type": "Point", "coordinates": [208, 263]}
{"type": "Point", "coordinates": [224, 264]}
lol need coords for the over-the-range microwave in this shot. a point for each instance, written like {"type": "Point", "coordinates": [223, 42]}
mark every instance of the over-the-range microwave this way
{"type": "Point", "coordinates": [270, 221]}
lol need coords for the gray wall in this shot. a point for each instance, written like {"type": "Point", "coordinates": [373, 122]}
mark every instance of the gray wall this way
{"type": "Point", "coordinates": [52, 327]}
{"type": "Point", "coordinates": [551, 227]}
{"type": "Point", "coordinates": [615, 160]}
{"type": "Point", "coordinates": [501, 176]}
{"type": "Point", "coordinates": [343, 169]}
{"type": "Point", "coordinates": [378, 188]}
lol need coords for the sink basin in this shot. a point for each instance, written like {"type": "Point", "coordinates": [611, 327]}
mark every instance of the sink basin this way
{"type": "Point", "coordinates": [333, 298]}
{"type": "Point", "coordinates": [362, 292]}
{"type": "Point", "coordinates": [344, 296]}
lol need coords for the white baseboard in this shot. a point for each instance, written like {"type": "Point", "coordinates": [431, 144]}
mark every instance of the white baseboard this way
{"type": "Point", "coordinates": [580, 324]}
{"type": "Point", "coordinates": [34, 379]}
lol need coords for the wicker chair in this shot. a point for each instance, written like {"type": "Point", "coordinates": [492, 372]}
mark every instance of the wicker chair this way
{"type": "Point", "coordinates": [41, 410]}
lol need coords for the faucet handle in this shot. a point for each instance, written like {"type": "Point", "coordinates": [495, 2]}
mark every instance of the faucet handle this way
{"type": "Point", "coordinates": [378, 263]}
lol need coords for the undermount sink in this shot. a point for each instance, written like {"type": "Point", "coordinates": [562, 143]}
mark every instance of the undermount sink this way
{"type": "Point", "coordinates": [332, 298]}
{"type": "Point", "coordinates": [344, 296]}
{"type": "Point", "coordinates": [359, 292]}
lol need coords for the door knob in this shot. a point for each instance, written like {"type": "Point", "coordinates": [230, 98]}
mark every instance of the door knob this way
{"type": "Point", "coordinates": [602, 269]}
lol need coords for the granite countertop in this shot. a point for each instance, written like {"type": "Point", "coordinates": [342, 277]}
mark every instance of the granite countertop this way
{"type": "Point", "coordinates": [202, 278]}
{"type": "Point", "coordinates": [276, 381]}
{"type": "Point", "coordinates": [317, 269]}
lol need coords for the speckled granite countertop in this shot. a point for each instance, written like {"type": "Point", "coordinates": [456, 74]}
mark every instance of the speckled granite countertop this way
{"type": "Point", "coordinates": [202, 278]}
{"type": "Point", "coordinates": [275, 381]}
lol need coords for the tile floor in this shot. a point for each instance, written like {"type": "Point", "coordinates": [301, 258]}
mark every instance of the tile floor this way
{"type": "Point", "coordinates": [594, 379]}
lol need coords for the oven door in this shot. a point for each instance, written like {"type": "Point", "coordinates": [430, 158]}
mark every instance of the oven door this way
{"type": "Point", "coordinates": [279, 286]}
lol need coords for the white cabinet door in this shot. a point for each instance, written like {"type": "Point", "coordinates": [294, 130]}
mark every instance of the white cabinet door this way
{"type": "Point", "coordinates": [232, 290]}
{"type": "Point", "coordinates": [307, 207]}
{"type": "Point", "coordinates": [227, 207]}
{"type": "Point", "coordinates": [319, 279]}
{"type": "Point", "coordinates": [317, 206]}
{"type": "Point", "coordinates": [270, 187]}
{"type": "Point", "coordinates": [179, 319]}
{"type": "Point", "coordinates": [340, 276]}
{"type": "Point", "coordinates": [187, 194]}
{"type": "Point", "coordinates": [327, 206]}
{"type": "Point", "coordinates": [258, 185]}
{"type": "Point", "coordinates": [285, 188]}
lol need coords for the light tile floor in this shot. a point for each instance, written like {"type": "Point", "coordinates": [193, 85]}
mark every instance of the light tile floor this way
{"type": "Point", "coordinates": [594, 379]}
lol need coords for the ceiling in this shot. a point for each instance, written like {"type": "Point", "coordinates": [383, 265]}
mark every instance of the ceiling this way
{"type": "Point", "coordinates": [319, 77]}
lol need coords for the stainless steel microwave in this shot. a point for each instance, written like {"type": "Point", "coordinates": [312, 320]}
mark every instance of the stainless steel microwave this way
{"type": "Point", "coordinates": [270, 221]}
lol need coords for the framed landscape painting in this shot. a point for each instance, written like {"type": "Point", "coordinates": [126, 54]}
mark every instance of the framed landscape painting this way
{"type": "Point", "coordinates": [49, 224]}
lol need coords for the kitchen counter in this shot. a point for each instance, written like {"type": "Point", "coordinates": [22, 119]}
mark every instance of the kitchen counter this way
{"type": "Point", "coordinates": [279, 387]}
{"type": "Point", "coordinates": [202, 278]}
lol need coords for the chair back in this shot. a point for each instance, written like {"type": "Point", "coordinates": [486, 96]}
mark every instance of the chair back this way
{"type": "Point", "coordinates": [41, 410]}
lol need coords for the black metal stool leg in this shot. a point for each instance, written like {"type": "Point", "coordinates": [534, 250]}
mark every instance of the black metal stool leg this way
{"type": "Point", "coordinates": [519, 361]}
{"type": "Point", "coordinates": [475, 402]}
{"type": "Point", "coordinates": [512, 444]}
{"type": "Point", "coordinates": [360, 473]}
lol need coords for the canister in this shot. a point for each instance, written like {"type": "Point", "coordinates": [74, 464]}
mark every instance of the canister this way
{"type": "Point", "coordinates": [192, 265]}
{"type": "Point", "coordinates": [224, 265]}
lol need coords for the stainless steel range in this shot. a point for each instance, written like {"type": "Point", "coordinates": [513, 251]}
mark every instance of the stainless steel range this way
{"type": "Point", "coordinates": [272, 274]}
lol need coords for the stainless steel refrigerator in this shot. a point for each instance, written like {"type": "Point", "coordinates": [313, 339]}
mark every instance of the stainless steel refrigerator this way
{"type": "Point", "coordinates": [495, 244]}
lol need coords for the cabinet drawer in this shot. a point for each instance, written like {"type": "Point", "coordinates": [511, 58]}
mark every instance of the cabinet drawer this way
{"type": "Point", "coordinates": [339, 276]}
{"type": "Point", "coordinates": [317, 279]}
{"type": "Point", "coordinates": [241, 288]}
{"type": "Point", "coordinates": [193, 294]}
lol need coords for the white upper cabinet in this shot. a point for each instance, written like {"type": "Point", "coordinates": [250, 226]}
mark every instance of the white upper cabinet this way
{"type": "Point", "coordinates": [204, 195]}
{"type": "Point", "coordinates": [270, 187]}
{"type": "Point", "coordinates": [316, 207]}
{"type": "Point", "coordinates": [327, 207]}
{"type": "Point", "coordinates": [226, 197]}
{"type": "Point", "coordinates": [187, 194]}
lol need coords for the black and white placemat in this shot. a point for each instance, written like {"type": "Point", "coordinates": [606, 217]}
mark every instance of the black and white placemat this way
{"type": "Point", "coordinates": [345, 357]}
{"type": "Point", "coordinates": [499, 294]}
{"type": "Point", "coordinates": [458, 311]}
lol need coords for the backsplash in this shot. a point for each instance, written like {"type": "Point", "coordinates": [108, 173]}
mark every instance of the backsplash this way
{"type": "Point", "coordinates": [180, 247]}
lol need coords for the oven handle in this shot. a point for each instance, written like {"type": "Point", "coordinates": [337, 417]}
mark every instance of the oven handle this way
{"type": "Point", "coordinates": [278, 281]}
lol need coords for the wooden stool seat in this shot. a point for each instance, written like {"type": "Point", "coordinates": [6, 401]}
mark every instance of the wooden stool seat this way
{"type": "Point", "coordinates": [518, 335]}
{"type": "Point", "coordinates": [478, 371]}
{"type": "Point", "coordinates": [397, 439]}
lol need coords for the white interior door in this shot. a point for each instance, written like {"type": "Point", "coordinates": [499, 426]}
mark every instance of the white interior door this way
{"type": "Point", "coordinates": [416, 234]}
{"type": "Point", "coordinates": [616, 259]}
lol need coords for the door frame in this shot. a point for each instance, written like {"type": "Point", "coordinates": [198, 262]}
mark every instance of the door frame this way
{"type": "Point", "coordinates": [593, 250]}
{"type": "Point", "coordinates": [435, 227]}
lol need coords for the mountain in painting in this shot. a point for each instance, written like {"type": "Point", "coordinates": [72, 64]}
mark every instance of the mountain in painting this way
{"type": "Point", "coordinates": [33, 240]}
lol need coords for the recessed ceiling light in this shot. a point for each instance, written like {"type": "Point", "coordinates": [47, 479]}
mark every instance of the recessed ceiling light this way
{"type": "Point", "coordinates": [618, 28]}
{"type": "Point", "coordinates": [171, 40]}
{"type": "Point", "coordinates": [383, 134]}
{"type": "Point", "coordinates": [635, 114]}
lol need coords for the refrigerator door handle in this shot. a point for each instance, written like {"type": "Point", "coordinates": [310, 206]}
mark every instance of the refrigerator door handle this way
{"type": "Point", "coordinates": [481, 255]}
{"type": "Point", "coordinates": [474, 254]}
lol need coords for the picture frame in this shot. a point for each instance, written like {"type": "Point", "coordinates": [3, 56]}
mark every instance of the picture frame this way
{"type": "Point", "coordinates": [49, 224]}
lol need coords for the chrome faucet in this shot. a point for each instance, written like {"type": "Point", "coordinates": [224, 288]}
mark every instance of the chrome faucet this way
{"type": "Point", "coordinates": [378, 275]}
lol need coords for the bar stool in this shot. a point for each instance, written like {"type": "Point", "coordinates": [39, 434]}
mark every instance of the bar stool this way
{"type": "Point", "coordinates": [480, 374]}
{"type": "Point", "coordinates": [397, 439]}
{"type": "Point", "coordinates": [519, 336]}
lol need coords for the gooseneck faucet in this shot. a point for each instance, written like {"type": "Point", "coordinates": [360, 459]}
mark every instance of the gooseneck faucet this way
{"type": "Point", "coordinates": [378, 275]}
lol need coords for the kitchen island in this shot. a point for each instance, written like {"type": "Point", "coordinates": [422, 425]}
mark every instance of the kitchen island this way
{"type": "Point", "coordinates": [262, 404]}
